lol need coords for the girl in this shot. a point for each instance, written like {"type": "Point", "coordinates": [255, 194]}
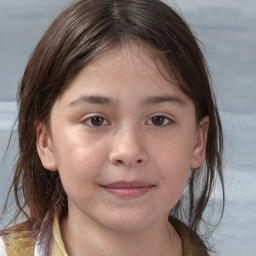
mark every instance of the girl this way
{"type": "Point", "coordinates": [119, 134]}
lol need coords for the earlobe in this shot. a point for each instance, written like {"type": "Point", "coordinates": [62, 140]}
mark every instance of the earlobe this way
{"type": "Point", "coordinates": [45, 148]}
{"type": "Point", "coordinates": [199, 150]}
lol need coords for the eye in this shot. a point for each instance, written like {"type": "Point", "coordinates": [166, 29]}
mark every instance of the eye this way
{"type": "Point", "coordinates": [159, 120]}
{"type": "Point", "coordinates": [96, 121]}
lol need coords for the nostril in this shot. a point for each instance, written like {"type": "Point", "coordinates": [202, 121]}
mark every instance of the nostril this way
{"type": "Point", "coordinates": [119, 161]}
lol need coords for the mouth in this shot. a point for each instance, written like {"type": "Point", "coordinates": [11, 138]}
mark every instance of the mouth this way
{"type": "Point", "coordinates": [128, 190]}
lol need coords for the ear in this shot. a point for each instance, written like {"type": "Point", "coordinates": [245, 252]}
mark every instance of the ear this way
{"type": "Point", "coordinates": [199, 150]}
{"type": "Point", "coordinates": [45, 147]}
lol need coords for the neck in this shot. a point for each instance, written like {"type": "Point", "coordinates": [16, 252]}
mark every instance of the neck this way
{"type": "Point", "coordinates": [85, 235]}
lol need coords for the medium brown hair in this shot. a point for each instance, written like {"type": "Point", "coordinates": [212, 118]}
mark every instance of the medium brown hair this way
{"type": "Point", "coordinates": [81, 33]}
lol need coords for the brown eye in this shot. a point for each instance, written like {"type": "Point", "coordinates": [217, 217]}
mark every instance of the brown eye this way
{"type": "Point", "coordinates": [96, 121]}
{"type": "Point", "coordinates": [159, 120]}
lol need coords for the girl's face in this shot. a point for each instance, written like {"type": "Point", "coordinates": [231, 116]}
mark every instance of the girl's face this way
{"type": "Point", "coordinates": [123, 139]}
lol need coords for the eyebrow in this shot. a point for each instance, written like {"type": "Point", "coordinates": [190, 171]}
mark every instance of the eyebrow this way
{"type": "Point", "coordinates": [101, 100]}
{"type": "Point", "coordinates": [162, 99]}
{"type": "Point", "coordinates": [93, 99]}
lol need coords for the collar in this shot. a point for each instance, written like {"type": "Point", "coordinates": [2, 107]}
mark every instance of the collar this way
{"type": "Point", "coordinates": [58, 248]}
{"type": "Point", "coordinates": [192, 244]}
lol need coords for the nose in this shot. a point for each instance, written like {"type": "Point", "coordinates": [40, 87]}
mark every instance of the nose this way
{"type": "Point", "coordinates": [128, 149]}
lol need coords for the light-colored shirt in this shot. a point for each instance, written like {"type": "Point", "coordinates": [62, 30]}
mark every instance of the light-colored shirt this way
{"type": "Point", "coordinates": [2, 248]}
{"type": "Point", "coordinates": [192, 244]}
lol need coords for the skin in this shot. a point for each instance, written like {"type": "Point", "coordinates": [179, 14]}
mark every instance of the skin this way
{"type": "Point", "coordinates": [134, 137]}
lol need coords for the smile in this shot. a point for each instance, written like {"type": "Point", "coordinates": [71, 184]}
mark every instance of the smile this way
{"type": "Point", "coordinates": [128, 190]}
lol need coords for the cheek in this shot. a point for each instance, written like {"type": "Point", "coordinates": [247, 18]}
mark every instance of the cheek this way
{"type": "Point", "coordinates": [175, 168]}
{"type": "Point", "coordinates": [79, 161]}
{"type": "Point", "coordinates": [172, 158]}
{"type": "Point", "coordinates": [173, 152]}
{"type": "Point", "coordinates": [174, 178]}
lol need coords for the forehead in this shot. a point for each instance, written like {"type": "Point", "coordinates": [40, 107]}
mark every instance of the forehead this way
{"type": "Point", "coordinates": [123, 68]}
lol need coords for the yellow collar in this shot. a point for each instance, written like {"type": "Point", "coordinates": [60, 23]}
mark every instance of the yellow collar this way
{"type": "Point", "coordinates": [192, 244]}
{"type": "Point", "coordinates": [20, 241]}
{"type": "Point", "coordinates": [58, 248]}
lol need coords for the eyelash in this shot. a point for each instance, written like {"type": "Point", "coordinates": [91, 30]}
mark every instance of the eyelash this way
{"type": "Point", "coordinates": [103, 121]}
{"type": "Point", "coordinates": [88, 121]}
{"type": "Point", "coordinates": [166, 120]}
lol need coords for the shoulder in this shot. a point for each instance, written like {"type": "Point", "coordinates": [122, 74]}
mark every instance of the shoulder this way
{"type": "Point", "coordinates": [13, 243]}
{"type": "Point", "coordinates": [2, 247]}
{"type": "Point", "coordinates": [193, 245]}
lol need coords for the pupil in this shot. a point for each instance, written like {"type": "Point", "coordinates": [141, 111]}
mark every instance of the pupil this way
{"type": "Point", "coordinates": [97, 121]}
{"type": "Point", "coordinates": [158, 120]}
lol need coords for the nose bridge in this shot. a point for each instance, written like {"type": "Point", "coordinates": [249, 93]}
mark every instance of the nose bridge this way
{"type": "Point", "coordinates": [127, 146]}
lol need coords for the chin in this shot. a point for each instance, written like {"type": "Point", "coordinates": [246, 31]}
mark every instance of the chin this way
{"type": "Point", "coordinates": [127, 222]}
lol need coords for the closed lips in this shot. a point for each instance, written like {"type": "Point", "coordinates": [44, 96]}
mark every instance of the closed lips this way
{"type": "Point", "coordinates": [133, 184]}
{"type": "Point", "coordinates": [128, 190]}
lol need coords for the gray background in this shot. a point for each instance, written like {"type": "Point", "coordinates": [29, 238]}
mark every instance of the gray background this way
{"type": "Point", "coordinates": [227, 29]}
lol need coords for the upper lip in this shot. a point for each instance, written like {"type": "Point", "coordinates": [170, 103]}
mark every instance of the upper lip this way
{"type": "Point", "coordinates": [128, 184]}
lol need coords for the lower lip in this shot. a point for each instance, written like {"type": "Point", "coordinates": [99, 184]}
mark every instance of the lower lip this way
{"type": "Point", "coordinates": [128, 193]}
